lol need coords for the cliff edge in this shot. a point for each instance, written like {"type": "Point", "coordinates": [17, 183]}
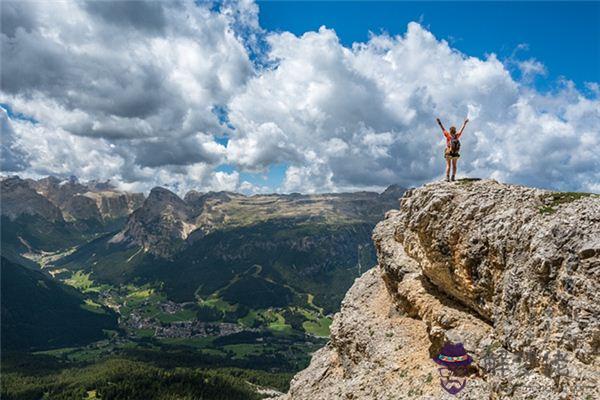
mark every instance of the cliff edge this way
{"type": "Point", "coordinates": [512, 273]}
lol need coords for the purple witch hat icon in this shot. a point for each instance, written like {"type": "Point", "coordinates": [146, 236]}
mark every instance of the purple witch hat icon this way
{"type": "Point", "coordinates": [453, 360]}
{"type": "Point", "coordinates": [453, 355]}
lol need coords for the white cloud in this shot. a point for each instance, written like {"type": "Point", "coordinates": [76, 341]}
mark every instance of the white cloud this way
{"type": "Point", "coordinates": [266, 144]}
{"type": "Point", "coordinates": [56, 151]}
{"type": "Point", "coordinates": [13, 157]}
{"type": "Point", "coordinates": [365, 116]}
{"type": "Point", "coordinates": [128, 94]}
{"type": "Point", "coordinates": [137, 81]}
{"type": "Point", "coordinates": [530, 69]}
{"type": "Point", "coordinates": [249, 188]}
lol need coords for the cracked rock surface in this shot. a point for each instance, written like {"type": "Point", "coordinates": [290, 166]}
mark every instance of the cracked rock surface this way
{"type": "Point", "coordinates": [511, 272]}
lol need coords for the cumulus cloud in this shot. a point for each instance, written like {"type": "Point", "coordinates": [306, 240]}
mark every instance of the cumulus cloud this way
{"type": "Point", "coordinates": [143, 77]}
{"type": "Point", "coordinates": [532, 67]}
{"type": "Point", "coordinates": [147, 16]}
{"type": "Point", "coordinates": [360, 117]}
{"type": "Point", "coordinates": [141, 92]}
{"type": "Point", "coordinates": [13, 157]}
{"type": "Point", "coordinates": [56, 151]}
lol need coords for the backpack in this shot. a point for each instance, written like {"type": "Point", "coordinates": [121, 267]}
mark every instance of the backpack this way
{"type": "Point", "coordinates": [454, 145]}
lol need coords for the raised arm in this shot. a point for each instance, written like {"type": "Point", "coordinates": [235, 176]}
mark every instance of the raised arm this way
{"type": "Point", "coordinates": [440, 124]}
{"type": "Point", "coordinates": [463, 127]}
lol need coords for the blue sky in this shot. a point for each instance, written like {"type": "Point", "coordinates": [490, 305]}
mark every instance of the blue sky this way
{"type": "Point", "coordinates": [559, 34]}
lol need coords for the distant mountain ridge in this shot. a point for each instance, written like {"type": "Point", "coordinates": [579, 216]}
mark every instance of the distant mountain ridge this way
{"type": "Point", "coordinates": [49, 215]}
{"type": "Point", "coordinates": [295, 251]}
{"type": "Point", "coordinates": [19, 198]}
{"type": "Point", "coordinates": [200, 245]}
{"type": "Point", "coordinates": [98, 200]}
{"type": "Point", "coordinates": [165, 223]}
{"type": "Point", "coordinates": [69, 200]}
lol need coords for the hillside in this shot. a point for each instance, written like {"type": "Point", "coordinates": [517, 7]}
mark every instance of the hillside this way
{"type": "Point", "coordinates": [40, 313]}
{"type": "Point", "coordinates": [508, 271]}
{"type": "Point", "coordinates": [234, 291]}
{"type": "Point", "coordinates": [41, 217]}
{"type": "Point", "coordinates": [255, 251]}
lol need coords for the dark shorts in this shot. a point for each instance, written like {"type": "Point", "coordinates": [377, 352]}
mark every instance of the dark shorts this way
{"type": "Point", "coordinates": [451, 155]}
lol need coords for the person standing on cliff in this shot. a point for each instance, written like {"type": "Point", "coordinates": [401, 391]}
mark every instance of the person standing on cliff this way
{"type": "Point", "coordinates": [452, 147]}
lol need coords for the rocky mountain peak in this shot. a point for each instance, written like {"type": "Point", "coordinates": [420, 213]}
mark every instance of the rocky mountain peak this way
{"type": "Point", "coordinates": [509, 272]}
{"type": "Point", "coordinates": [196, 200]}
{"type": "Point", "coordinates": [163, 202]}
{"type": "Point", "coordinates": [18, 198]}
{"type": "Point", "coordinates": [92, 200]}
{"type": "Point", "coordinates": [161, 225]}
{"type": "Point", "coordinates": [56, 190]}
{"type": "Point", "coordinates": [192, 196]}
{"type": "Point", "coordinates": [160, 194]}
{"type": "Point", "coordinates": [394, 191]}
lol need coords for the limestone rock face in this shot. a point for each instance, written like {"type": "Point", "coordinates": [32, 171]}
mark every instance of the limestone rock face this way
{"type": "Point", "coordinates": [160, 225]}
{"type": "Point", "coordinates": [511, 272]}
{"type": "Point", "coordinates": [56, 190]}
{"type": "Point", "coordinates": [82, 208]}
{"type": "Point", "coordinates": [115, 204]}
{"type": "Point", "coordinates": [18, 198]}
{"type": "Point", "coordinates": [94, 200]}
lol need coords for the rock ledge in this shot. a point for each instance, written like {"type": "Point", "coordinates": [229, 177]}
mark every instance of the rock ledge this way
{"type": "Point", "coordinates": [511, 272]}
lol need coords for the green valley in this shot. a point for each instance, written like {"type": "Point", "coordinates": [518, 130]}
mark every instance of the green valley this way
{"type": "Point", "coordinates": [216, 294]}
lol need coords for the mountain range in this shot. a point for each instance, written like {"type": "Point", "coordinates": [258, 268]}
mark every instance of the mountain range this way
{"type": "Point", "coordinates": [227, 253]}
{"type": "Point", "coordinates": [117, 295]}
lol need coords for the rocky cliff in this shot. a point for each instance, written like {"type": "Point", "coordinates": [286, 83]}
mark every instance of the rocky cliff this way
{"type": "Point", "coordinates": [160, 225]}
{"type": "Point", "coordinates": [94, 200]}
{"type": "Point", "coordinates": [512, 273]}
{"type": "Point", "coordinates": [18, 198]}
{"type": "Point", "coordinates": [51, 215]}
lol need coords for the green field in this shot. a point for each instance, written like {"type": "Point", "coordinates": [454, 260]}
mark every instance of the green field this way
{"type": "Point", "coordinates": [170, 312]}
{"type": "Point", "coordinates": [278, 344]}
{"type": "Point", "coordinates": [261, 358]}
{"type": "Point", "coordinates": [318, 328]}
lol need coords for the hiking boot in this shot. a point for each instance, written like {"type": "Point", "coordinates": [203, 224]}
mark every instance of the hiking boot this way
{"type": "Point", "coordinates": [452, 178]}
{"type": "Point", "coordinates": [447, 178]}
